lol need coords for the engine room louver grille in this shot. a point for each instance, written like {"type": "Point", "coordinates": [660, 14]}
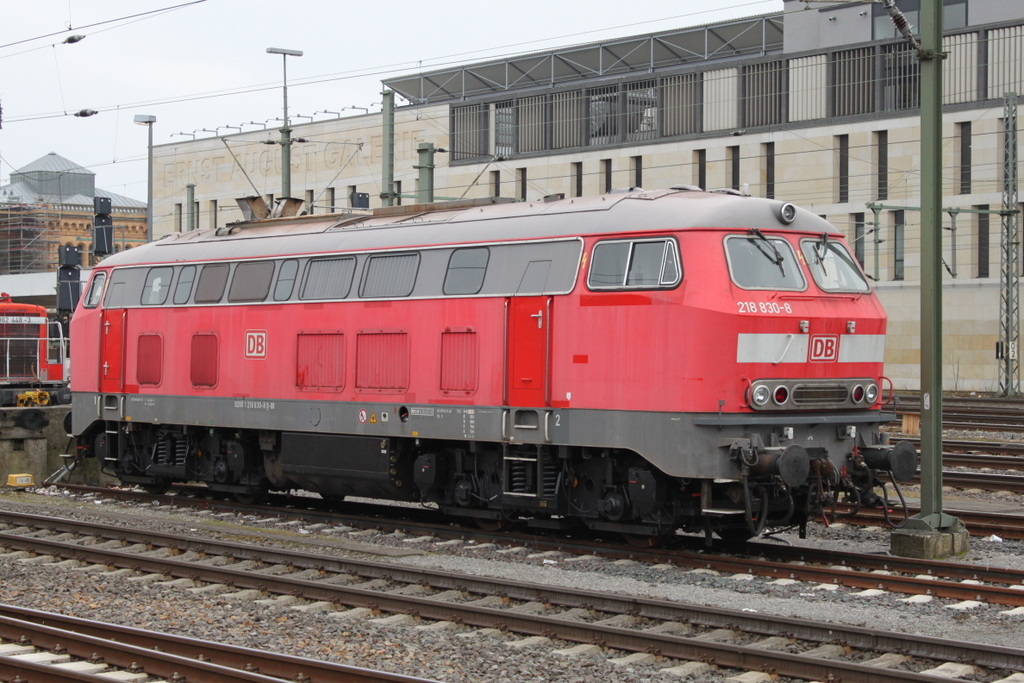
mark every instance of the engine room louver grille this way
{"type": "Point", "coordinates": [820, 395]}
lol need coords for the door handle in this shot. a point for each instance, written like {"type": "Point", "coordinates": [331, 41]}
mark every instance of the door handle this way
{"type": "Point", "coordinates": [106, 367]}
{"type": "Point", "coordinates": [539, 315]}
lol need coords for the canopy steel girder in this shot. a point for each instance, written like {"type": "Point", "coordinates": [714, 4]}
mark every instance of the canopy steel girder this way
{"type": "Point", "coordinates": [757, 35]}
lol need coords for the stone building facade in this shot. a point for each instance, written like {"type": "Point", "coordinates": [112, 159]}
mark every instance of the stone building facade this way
{"type": "Point", "coordinates": [817, 105]}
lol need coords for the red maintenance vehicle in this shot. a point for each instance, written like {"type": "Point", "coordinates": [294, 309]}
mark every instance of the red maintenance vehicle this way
{"type": "Point", "coordinates": [638, 362]}
{"type": "Point", "coordinates": [33, 354]}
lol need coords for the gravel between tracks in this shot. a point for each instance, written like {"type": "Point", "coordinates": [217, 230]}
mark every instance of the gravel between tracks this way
{"type": "Point", "coordinates": [441, 655]}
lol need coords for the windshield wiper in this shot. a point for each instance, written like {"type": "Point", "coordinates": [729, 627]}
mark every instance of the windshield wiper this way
{"type": "Point", "coordinates": [820, 255]}
{"type": "Point", "coordinates": [775, 256]}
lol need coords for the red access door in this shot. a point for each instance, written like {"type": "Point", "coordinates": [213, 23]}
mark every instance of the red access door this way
{"type": "Point", "coordinates": [112, 351]}
{"type": "Point", "coordinates": [529, 348]}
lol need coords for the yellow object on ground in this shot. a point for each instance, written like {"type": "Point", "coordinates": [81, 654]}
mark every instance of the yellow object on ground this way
{"type": "Point", "coordinates": [20, 480]}
{"type": "Point", "coordinates": [33, 398]}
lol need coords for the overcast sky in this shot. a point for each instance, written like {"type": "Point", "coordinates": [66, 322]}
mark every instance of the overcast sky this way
{"type": "Point", "coordinates": [143, 57]}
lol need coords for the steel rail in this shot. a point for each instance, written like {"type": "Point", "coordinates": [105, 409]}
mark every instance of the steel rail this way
{"type": "Point", "coordinates": [170, 656]}
{"type": "Point", "coordinates": [480, 616]}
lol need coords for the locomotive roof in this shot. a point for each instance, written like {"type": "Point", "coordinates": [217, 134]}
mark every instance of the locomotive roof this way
{"type": "Point", "coordinates": [626, 213]}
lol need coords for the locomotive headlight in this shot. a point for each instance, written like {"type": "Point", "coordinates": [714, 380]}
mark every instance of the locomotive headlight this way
{"type": "Point", "coordinates": [760, 395]}
{"type": "Point", "coordinates": [858, 393]}
{"type": "Point", "coordinates": [871, 393]}
{"type": "Point", "coordinates": [781, 394]}
{"type": "Point", "coordinates": [786, 213]}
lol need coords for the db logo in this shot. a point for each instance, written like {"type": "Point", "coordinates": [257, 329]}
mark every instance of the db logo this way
{"type": "Point", "coordinates": [255, 344]}
{"type": "Point", "coordinates": [824, 348]}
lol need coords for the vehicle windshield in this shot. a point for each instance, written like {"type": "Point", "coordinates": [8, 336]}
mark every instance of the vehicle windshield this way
{"type": "Point", "coordinates": [832, 266]}
{"type": "Point", "coordinates": [760, 262]}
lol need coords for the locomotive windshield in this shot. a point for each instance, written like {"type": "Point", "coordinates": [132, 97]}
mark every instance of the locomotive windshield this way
{"type": "Point", "coordinates": [832, 267]}
{"type": "Point", "coordinates": [759, 262]}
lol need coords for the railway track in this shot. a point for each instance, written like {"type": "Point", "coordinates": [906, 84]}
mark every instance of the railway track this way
{"type": "Point", "coordinates": [42, 646]}
{"type": "Point", "coordinates": [696, 636]}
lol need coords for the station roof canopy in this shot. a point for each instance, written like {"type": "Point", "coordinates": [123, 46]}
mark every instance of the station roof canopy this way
{"type": "Point", "coordinates": [637, 54]}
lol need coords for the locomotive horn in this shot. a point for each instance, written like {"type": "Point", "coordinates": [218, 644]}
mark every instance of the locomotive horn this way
{"type": "Point", "coordinates": [792, 464]}
{"type": "Point", "coordinates": [901, 460]}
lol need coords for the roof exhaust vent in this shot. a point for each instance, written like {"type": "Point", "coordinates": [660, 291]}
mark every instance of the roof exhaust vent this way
{"type": "Point", "coordinates": [253, 208]}
{"type": "Point", "coordinates": [286, 207]}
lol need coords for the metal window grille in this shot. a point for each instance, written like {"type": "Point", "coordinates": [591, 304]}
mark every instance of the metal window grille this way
{"type": "Point", "coordinates": [641, 118]}
{"type": "Point", "coordinates": [853, 82]}
{"type": "Point", "coordinates": [843, 163]}
{"type": "Point", "coordinates": [764, 101]}
{"type": "Point", "coordinates": [532, 129]}
{"type": "Point", "coordinates": [469, 132]}
{"type": "Point", "coordinates": [882, 170]}
{"type": "Point", "coordinates": [901, 82]}
{"type": "Point", "coordinates": [681, 108]}
{"type": "Point", "coordinates": [602, 115]}
{"type": "Point", "coordinates": [504, 129]}
{"type": "Point", "coordinates": [567, 119]}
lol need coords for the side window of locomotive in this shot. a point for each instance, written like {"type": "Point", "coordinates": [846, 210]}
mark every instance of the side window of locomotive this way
{"type": "Point", "coordinates": [328, 278]}
{"type": "Point", "coordinates": [92, 299]}
{"type": "Point", "coordinates": [640, 264]}
{"type": "Point", "coordinates": [832, 266]}
{"type": "Point", "coordinates": [466, 270]}
{"type": "Point", "coordinates": [251, 281]}
{"type": "Point", "coordinates": [286, 280]}
{"type": "Point", "coordinates": [183, 290]}
{"type": "Point", "coordinates": [759, 262]}
{"type": "Point", "coordinates": [388, 276]}
{"type": "Point", "coordinates": [158, 285]}
{"type": "Point", "coordinates": [212, 280]}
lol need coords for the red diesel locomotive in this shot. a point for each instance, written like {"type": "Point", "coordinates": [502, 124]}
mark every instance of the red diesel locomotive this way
{"type": "Point", "coordinates": [636, 362]}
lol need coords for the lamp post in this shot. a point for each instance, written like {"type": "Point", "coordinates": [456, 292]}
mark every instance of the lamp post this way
{"type": "Point", "coordinates": [286, 131]}
{"type": "Point", "coordinates": [148, 120]}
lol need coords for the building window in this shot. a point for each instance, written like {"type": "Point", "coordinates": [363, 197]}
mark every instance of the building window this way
{"type": "Point", "coordinates": [881, 165]}
{"type": "Point", "coordinates": [983, 241]}
{"type": "Point", "coordinates": [854, 81]}
{"type": "Point", "coordinates": [764, 94]}
{"type": "Point", "coordinates": [603, 115]}
{"type": "Point", "coordinates": [901, 78]}
{"type": "Point", "coordinates": [213, 214]}
{"type": "Point", "coordinates": [177, 217]}
{"type": "Point", "coordinates": [700, 162]}
{"type": "Point", "coordinates": [769, 169]}
{"type": "Point", "coordinates": [606, 174]}
{"type": "Point", "coordinates": [310, 209]}
{"type": "Point", "coordinates": [636, 170]}
{"type": "Point", "coordinates": [897, 244]}
{"type": "Point", "coordinates": [504, 129]}
{"type": "Point", "coordinates": [398, 193]}
{"type": "Point", "coordinates": [469, 132]}
{"type": "Point", "coordinates": [641, 111]}
{"type": "Point", "coordinates": [495, 183]}
{"type": "Point", "coordinates": [576, 179]}
{"type": "Point", "coordinates": [963, 134]}
{"type": "Point", "coordinates": [351, 192]}
{"type": "Point", "coordinates": [521, 182]}
{"type": "Point", "coordinates": [732, 156]}
{"type": "Point", "coordinates": [842, 147]}
{"type": "Point", "coordinates": [858, 237]}
{"type": "Point", "coordinates": [330, 199]}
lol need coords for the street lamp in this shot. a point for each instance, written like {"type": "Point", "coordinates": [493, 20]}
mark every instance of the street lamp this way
{"type": "Point", "coordinates": [286, 143]}
{"type": "Point", "coordinates": [148, 120]}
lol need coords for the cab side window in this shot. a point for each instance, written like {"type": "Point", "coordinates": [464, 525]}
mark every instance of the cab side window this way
{"type": "Point", "coordinates": [635, 264]}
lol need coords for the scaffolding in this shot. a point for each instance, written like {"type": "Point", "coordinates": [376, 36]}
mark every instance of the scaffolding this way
{"type": "Point", "coordinates": [26, 244]}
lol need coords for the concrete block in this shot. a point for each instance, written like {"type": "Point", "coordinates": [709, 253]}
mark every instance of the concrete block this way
{"type": "Point", "coordinates": [394, 620]}
{"type": "Point", "coordinates": [930, 545]}
{"type": "Point", "coordinates": [579, 651]}
{"type": "Point", "coordinates": [529, 642]}
{"type": "Point", "coordinates": [826, 651]}
{"type": "Point", "coordinates": [887, 661]}
{"type": "Point", "coordinates": [688, 670]}
{"type": "Point", "coordinates": [635, 658]}
{"type": "Point", "coordinates": [952, 670]}
{"type": "Point", "coordinates": [318, 607]}
{"type": "Point", "coordinates": [917, 599]}
{"type": "Point", "coordinates": [750, 677]}
{"type": "Point", "coordinates": [350, 614]}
